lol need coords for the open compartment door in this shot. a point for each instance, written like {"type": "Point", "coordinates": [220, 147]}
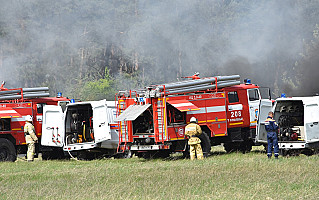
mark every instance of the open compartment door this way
{"type": "Point", "coordinates": [265, 108]}
{"type": "Point", "coordinates": [132, 112]}
{"type": "Point", "coordinates": [183, 105]}
{"type": "Point", "coordinates": [312, 122]}
{"type": "Point", "coordinates": [52, 126]}
{"type": "Point", "coordinates": [101, 123]}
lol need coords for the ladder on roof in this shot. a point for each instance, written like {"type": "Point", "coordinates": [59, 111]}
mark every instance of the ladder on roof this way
{"type": "Point", "coordinates": [19, 94]}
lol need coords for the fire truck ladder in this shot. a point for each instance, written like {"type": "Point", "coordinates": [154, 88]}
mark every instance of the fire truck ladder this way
{"type": "Point", "coordinates": [161, 121]}
{"type": "Point", "coordinates": [123, 130]}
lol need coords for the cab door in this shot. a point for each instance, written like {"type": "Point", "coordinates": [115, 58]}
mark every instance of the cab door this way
{"type": "Point", "coordinates": [253, 102]}
{"type": "Point", "coordinates": [52, 126]}
{"type": "Point", "coordinates": [101, 122]}
{"type": "Point", "coordinates": [265, 108]}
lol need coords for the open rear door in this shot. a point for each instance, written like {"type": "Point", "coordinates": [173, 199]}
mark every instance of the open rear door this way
{"type": "Point", "coordinates": [52, 126]}
{"type": "Point", "coordinates": [101, 123]}
{"type": "Point", "coordinates": [265, 108]}
{"type": "Point", "coordinates": [312, 122]}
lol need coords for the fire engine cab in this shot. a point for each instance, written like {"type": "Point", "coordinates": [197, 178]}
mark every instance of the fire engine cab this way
{"type": "Point", "coordinates": [152, 121]}
{"type": "Point", "coordinates": [15, 105]}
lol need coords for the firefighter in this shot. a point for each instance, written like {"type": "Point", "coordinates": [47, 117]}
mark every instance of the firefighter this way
{"type": "Point", "coordinates": [192, 130]}
{"type": "Point", "coordinates": [30, 138]}
{"type": "Point", "coordinates": [271, 128]}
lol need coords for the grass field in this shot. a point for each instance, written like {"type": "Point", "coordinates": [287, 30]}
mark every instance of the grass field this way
{"type": "Point", "coordinates": [221, 176]}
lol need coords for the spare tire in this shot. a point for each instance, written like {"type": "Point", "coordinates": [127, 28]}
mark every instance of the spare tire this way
{"type": "Point", "coordinates": [205, 143]}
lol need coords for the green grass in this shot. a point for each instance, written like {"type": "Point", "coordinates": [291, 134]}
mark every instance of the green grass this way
{"type": "Point", "coordinates": [221, 176]}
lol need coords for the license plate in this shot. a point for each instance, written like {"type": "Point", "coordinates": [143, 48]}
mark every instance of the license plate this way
{"type": "Point", "coordinates": [145, 147]}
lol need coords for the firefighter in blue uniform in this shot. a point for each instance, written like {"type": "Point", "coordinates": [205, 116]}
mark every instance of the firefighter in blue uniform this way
{"type": "Point", "coordinates": [271, 128]}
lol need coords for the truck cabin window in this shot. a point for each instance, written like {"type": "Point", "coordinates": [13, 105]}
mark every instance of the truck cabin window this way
{"type": "Point", "coordinates": [253, 95]}
{"type": "Point", "coordinates": [63, 104]}
{"type": "Point", "coordinates": [5, 124]}
{"type": "Point", "coordinates": [175, 116]}
{"type": "Point", "coordinates": [40, 107]}
{"type": "Point", "coordinates": [233, 97]}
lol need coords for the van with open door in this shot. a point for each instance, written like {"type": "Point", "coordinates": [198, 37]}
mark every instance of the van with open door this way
{"type": "Point", "coordinates": [84, 129]}
{"type": "Point", "coordinates": [298, 119]}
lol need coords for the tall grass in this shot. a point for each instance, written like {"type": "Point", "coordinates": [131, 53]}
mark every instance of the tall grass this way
{"type": "Point", "coordinates": [221, 176]}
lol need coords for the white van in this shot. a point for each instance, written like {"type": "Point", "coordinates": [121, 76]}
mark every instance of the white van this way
{"type": "Point", "coordinates": [298, 119]}
{"type": "Point", "coordinates": [85, 129]}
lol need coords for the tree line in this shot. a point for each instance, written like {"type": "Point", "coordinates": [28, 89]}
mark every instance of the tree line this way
{"type": "Point", "coordinates": [92, 49]}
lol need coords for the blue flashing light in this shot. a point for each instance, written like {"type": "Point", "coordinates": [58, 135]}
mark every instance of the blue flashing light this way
{"type": "Point", "coordinates": [247, 81]}
{"type": "Point", "coordinates": [72, 101]}
{"type": "Point", "coordinates": [59, 94]}
{"type": "Point", "coordinates": [141, 99]}
{"type": "Point", "coordinates": [283, 95]}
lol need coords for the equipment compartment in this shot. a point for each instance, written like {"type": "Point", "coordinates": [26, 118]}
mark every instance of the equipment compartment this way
{"type": "Point", "coordinates": [290, 118]}
{"type": "Point", "coordinates": [79, 124]}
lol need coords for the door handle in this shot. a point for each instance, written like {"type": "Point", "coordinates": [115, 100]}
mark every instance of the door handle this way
{"type": "Point", "coordinates": [102, 124]}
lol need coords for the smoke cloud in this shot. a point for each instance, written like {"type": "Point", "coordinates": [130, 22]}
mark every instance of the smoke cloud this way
{"type": "Point", "coordinates": [168, 39]}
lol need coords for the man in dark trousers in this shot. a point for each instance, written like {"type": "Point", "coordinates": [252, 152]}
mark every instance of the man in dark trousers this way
{"type": "Point", "coordinates": [271, 128]}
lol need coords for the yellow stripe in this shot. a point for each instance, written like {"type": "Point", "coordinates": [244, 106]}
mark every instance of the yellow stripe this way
{"type": "Point", "coordinates": [10, 116]}
{"type": "Point", "coordinates": [253, 122]}
{"type": "Point", "coordinates": [181, 138]}
{"type": "Point", "coordinates": [232, 124]}
{"type": "Point", "coordinates": [190, 109]}
{"type": "Point", "coordinates": [219, 120]}
{"type": "Point", "coordinates": [221, 134]}
{"type": "Point", "coordinates": [16, 129]}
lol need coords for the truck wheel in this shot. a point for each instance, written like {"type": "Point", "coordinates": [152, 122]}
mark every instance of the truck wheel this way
{"type": "Point", "coordinates": [125, 154]}
{"type": "Point", "coordinates": [7, 150]}
{"type": "Point", "coordinates": [246, 146]}
{"type": "Point", "coordinates": [161, 154]}
{"type": "Point", "coordinates": [205, 143]}
{"type": "Point", "coordinates": [186, 151]}
{"type": "Point", "coordinates": [145, 155]}
{"type": "Point", "coordinates": [87, 156]}
{"type": "Point", "coordinates": [230, 147]}
{"type": "Point", "coordinates": [53, 155]}
{"type": "Point", "coordinates": [308, 152]}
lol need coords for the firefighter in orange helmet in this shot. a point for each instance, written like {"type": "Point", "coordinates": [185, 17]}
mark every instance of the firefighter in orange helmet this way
{"type": "Point", "coordinates": [30, 137]}
{"type": "Point", "coordinates": [193, 130]}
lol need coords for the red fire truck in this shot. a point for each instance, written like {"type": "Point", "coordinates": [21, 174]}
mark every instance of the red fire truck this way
{"type": "Point", "coordinates": [152, 121]}
{"type": "Point", "coordinates": [15, 105]}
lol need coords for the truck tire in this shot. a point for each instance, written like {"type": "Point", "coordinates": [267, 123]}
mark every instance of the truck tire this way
{"type": "Point", "coordinates": [7, 151]}
{"type": "Point", "coordinates": [53, 155]}
{"type": "Point", "coordinates": [246, 146]}
{"type": "Point", "coordinates": [231, 147]}
{"type": "Point", "coordinates": [205, 143]}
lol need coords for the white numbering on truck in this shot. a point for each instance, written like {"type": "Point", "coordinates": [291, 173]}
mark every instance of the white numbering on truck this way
{"type": "Point", "coordinates": [235, 114]}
